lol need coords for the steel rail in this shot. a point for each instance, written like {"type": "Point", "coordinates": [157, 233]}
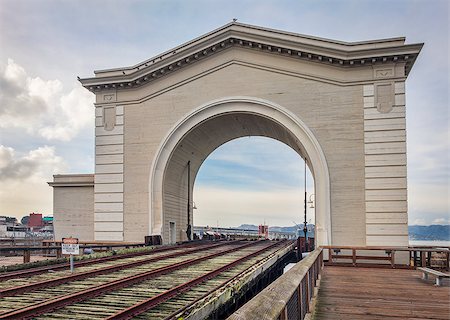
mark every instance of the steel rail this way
{"type": "Point", "coordinates": [175, 314]}
{"type": "Point", "coordinates": [91, 273]}
{"type": "Point", "coordinates": [62, 266]}
{"type": "Point", "coordinates": [147, 304]}
{"type": "Point", "coordinates": [59, 302]}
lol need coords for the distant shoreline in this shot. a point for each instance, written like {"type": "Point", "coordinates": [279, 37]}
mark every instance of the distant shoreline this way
{"type": "Point", "coordinates": [434, 243]}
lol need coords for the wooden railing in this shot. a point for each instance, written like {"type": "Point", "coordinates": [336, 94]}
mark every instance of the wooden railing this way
{"type": "Point", "coordinates": [386, 256]}
{"type": "Point", "coordinates": [51, 250]}
{"type": "Point", "coordinates": [288, 297]}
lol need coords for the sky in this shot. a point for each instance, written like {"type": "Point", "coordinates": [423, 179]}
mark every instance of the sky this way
{"type": "Point", "coordinates": [47, 118]}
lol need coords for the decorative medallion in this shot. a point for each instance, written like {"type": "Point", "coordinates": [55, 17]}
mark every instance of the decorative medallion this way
{"type": "Point", "coordinates": [384, 73]}
{"type": "Point", "coordinates": [384, 97]}
{"type": "Point", "coordinates": [109, 118]}
{"type": "Point", "coordinates": [110, 97]}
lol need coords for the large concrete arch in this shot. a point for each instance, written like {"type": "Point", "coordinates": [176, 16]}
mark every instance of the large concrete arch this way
{"type": "Point", "coordinates": [171, 158]}
{"type": "Point", "coordinates": [341, 105]}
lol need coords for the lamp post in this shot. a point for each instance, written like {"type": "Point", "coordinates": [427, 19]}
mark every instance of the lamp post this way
{"type": "Point", "coordinates": [305, 226]}
{"type": "Point", "coordinates": [14, 234]}
{"type": "Point", "coordinates": [311, 204]}
{"type": "Point", "coordinates": [189, 227]}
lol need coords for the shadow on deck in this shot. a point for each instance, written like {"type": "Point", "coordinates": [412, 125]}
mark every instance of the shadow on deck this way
{"type": "Point", "coordinates": [375, 294]}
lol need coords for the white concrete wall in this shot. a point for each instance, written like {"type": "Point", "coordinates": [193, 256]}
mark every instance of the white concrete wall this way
{"type": "Point", "coordinates": [109, 177]}
{"type": "Point", "coordinates": [73, 206]}
{"type": "Point", "coordinates": [385, 168]}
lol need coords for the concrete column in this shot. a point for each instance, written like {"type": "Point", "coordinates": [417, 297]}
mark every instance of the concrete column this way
{"type": "Point", "coordinates": [109, 173]}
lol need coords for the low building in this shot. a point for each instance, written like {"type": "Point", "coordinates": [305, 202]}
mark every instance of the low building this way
{"type": "Point", "coordinates": [35, 221]}
{"type": "Point", "coordinates": [9, 228]}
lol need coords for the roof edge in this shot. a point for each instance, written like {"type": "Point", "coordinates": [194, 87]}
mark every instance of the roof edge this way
{"type": "Point", "coordinates": [254, 37]}
{"type": "Point", "coordinates": [176, 49]}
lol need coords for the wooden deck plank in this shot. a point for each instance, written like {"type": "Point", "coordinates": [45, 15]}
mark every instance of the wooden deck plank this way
{"type": "Point", "coordinates": [375, 294]}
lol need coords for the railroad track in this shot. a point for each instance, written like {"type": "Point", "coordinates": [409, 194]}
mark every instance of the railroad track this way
{"type": "Point", "coordinates": [157, 288]}
{"type": "Point", "coordinates": [10, 288]}
{"type": "Point", "coordinates": [65, 266]}
{"type": "Point", "coordinates": [53, 285]}
{"type": "Point", "coordinates": [171, 303]}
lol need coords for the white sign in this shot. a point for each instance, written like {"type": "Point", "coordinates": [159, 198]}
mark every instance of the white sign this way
{"type": "Point", "coordinates": [70, 246]}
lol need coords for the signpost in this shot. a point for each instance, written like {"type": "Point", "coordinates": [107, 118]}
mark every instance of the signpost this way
{"type": "Point", "coordinates": [70, 246]}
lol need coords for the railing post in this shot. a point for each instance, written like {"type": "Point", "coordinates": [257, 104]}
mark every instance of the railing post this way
{"type": "Point", "coordinates": [321, 260]}
{"type": "Point", "coordinates": [299, 300]}
{"type": "Point", "coordinates": [307, 291]}
{"type": "Point", "coordinates": [58, 253]}
{"type": "Point", "coordinates": [393, 259]}
{"type": "Point", "coordinates": [354, 257]}
{"type": "Point", "coordinates": [316, 272]}
{"type": "Point", "coordinates": [312, 269]}
{"type": "Point", "coordinates": [26, 256]}
{"type": "Point", "coordinates": [447, 260]}
{"type": "Point", "coordinates": [410, 258]}
{"type": "Point", "coordinates": [422, 259]}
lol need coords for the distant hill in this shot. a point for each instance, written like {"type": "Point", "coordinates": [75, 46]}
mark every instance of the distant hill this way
{"type": "Point", "coordinates": [433, 232]}
{"type": "Point", "coordinates": [248, 227]}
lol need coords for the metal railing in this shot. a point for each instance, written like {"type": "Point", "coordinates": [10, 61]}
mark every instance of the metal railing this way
{"type": "Point", "coordinates": [289, 297]}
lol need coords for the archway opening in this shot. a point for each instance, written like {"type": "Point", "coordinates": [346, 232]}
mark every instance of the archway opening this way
{"type": "Point", "coordinates": [206, 128]}
{"type": "Point", "coordinates": [251, 181]}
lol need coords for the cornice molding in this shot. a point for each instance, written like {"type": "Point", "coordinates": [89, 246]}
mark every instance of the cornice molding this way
{"type": "Point", "coordinates": [72, 180]}
{"type": "Point", "coordinates": [236, 35]}
{"type": "Point", "coordinates": [71, 184]}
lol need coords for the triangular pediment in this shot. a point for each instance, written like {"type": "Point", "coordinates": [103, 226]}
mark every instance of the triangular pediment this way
{"type": "Point", "coordinates": [303, 47]}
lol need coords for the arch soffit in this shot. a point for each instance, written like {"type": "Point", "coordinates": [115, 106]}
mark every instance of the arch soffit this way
{"type": "Point", "coordinates": [314, 154]}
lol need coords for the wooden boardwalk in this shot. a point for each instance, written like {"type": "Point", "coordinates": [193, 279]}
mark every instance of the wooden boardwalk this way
{"type": "Point", "coordinates": [374, 294]}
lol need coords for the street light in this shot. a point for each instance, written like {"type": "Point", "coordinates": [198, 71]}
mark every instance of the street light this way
{"type": "Point", "coordinates": [189, 226]}
{"type": "Point", "coordinates": [305, 225]}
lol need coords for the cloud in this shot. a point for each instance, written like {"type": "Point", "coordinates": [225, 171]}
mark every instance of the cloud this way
{"type": "Point", "coordinates": [419, 222]}
{"type": "Point", "coordinates": [39, 163]}
{"type": "Point", "coordinates": [441, 221]}
{"type": "Point", "coordinates": [41, 106]}
{"type": "Point", "coordinates": [257, 163]}
{"type": "Point", "coordinates": [23, 186]}
{"type": "Point", "coordinates": [14, 169]}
